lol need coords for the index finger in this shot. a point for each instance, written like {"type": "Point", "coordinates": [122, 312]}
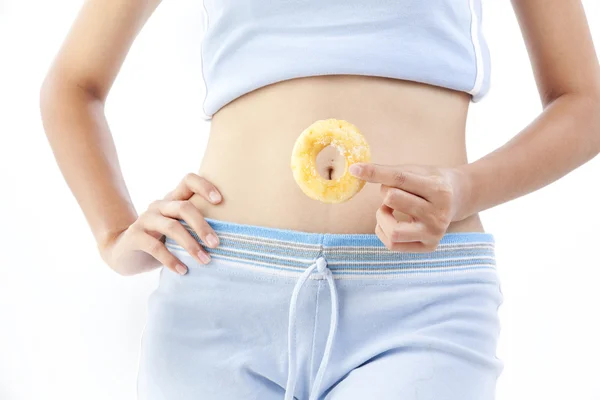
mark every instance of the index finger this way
{"type": "Point", "coordinates": [192, 184]}
{"type": "Point", "coordinates": [394, 176]}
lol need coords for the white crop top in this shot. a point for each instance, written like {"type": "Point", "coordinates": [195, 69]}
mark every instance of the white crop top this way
{"type": "Point", "coordinates": [248, 44]}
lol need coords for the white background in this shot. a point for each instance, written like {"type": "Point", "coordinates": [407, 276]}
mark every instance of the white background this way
{"type": "Point", "coordinates": [70, 328]}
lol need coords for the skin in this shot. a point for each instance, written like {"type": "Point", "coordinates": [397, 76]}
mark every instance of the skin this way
{"type": "Point", "coordinates": [421, 184]}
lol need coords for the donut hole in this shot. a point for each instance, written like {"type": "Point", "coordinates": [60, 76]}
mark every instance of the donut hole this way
{"type": "Point", "coordinates": [330, 163]}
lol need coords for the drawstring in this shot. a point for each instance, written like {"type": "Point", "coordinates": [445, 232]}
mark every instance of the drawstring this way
{"type": "Point", "coordinates": [321, 266]}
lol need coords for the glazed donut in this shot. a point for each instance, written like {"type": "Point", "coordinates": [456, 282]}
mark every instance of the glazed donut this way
{"type": "Point", "coordinates": [351, 144]}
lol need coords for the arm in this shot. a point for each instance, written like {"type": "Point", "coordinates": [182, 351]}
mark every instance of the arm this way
{"type": "Point", "coordinates": [563, 137]}
{"type": "Point", "coordinates": [567, 133]}
{"type": "Point", "coordinates": [72, 101]}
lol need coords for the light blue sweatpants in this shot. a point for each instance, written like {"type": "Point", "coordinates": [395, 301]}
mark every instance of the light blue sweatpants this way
{"type": "Point", "coordinates": [280, 314]}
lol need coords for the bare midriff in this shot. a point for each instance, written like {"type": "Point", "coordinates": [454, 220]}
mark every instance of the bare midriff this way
{"type": "Point", "coordinates": [251, 139]}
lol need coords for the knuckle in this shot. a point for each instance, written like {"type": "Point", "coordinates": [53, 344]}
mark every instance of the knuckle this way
{"type": "Point", "coordinates": [443, 215]}
{"type": "Point", "coordinates": [396, 235]}
{"type": "Point", "coordinates": [369, 172]}
{"type": "Point", "coordinates": [177, 206]}
{"type": "Point", "coordinates": [399, 177]}
{"type": "Point", "coordinates": [417, 210]}
{"type": "Point", "coordinates": [378, 216]}
{"type": "Point", "coordinates": [437, 229]}
{"type": "Point", "coordinates": [154, 205]}
{"type": "Point", "coordinates": [194, 247]}
{"type": "Point", "coordinates": [187, 178]}
{"type": "Point", "coordinates": [441, 186]}
{"type": "Point", "coordinates": [192, 244]}
{"type": "Point", "coordinates": [389, 199]}
{"type": "Point", "coordinates": [205, 184]}
{"type": "Point", "coordinates": [380, 235]}
{"type": "Point", "coordinates": [155, 247]}
{"type": "Point", "coordinates": [172, 225]}
{"type": "Point", "coordinates": [392, 196]}
{"type": "Point", "coordinates": [187, 207]}
{"type": "Point", "coordinates": [437, 179]}
{"type": "Point", "coordinates": [384, 191]}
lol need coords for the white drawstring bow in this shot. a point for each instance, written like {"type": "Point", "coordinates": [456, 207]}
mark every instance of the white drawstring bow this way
{"type": "Point", "coordinates": [321, 266]}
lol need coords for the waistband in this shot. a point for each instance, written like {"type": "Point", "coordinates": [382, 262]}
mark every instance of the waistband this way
{"type": "Point", "coordinates": [290, 252]}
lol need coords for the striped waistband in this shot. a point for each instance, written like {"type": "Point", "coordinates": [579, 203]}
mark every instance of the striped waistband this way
{"type": "Point", "coordinates": [291, 252]}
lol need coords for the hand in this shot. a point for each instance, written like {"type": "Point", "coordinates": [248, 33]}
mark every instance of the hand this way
{"type": "Point", "coordinates": [432, 197]}
{"type": "Point", "coordinates": [141, 246]}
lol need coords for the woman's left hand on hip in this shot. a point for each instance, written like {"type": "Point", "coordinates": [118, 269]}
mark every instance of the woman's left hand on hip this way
{"type": "Point", "coordinates": [430, 196]}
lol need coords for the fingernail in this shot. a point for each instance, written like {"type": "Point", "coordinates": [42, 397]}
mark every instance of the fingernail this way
{"type": "Point", "coordinates": [214, 197]}
{"type": "Point", "coordinates": [181, 269]}
{"type": "Point", "coordinates": [203, 257]}
{"type": "Point", "coordinates": [355, 169]}
{"type": "Point", "coordinates": [212, 240]}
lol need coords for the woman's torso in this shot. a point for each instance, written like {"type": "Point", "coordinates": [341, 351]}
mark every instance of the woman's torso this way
{"type": "Point", "coordinates": [251, 140]}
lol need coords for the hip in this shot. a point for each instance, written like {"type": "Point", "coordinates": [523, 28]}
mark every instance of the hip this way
{"type": "Point", "coordinates": [309, 311]}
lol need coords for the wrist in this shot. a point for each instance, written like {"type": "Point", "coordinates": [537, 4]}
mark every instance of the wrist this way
{"type": "Point", "coordinates": [107, 239]}
{"type": "Point", "coordinates": [464, 192]}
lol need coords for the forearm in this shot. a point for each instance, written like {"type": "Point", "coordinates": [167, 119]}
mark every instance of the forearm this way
{"type": "Point", "coordinates": [82, 144]}
{"type": "Point", "coordinates": [562, 138]}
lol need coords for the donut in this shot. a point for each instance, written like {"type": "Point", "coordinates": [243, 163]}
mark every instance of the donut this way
{"type": "Point", "coordinates": [351, 144]}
